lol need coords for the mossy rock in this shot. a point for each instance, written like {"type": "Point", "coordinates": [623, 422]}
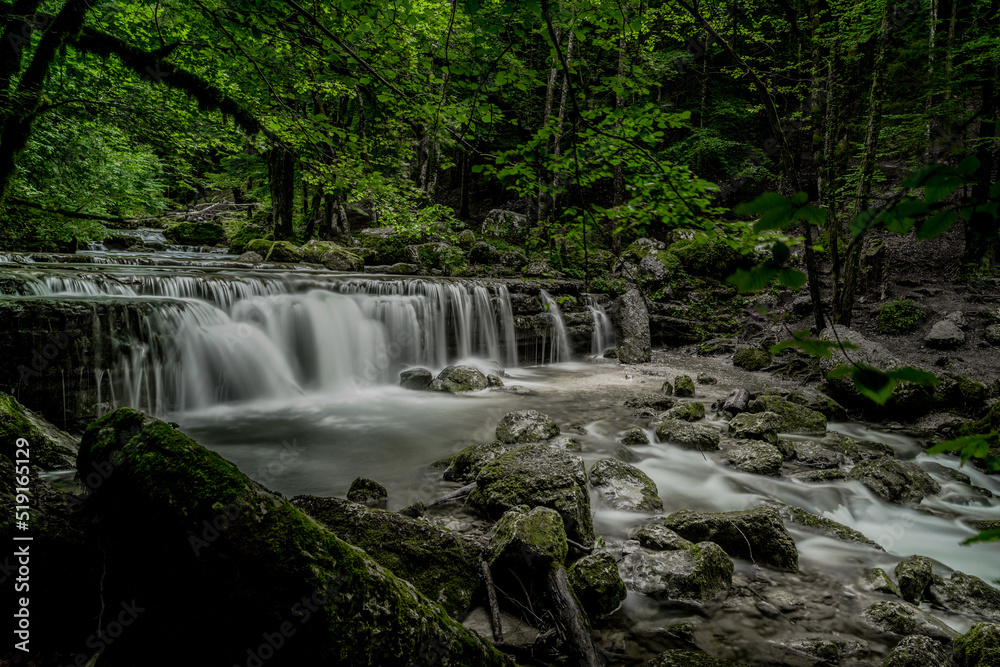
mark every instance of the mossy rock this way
{"type": "Point", "coordinates": [697, 573]}
{"type": "Point", "coordinates": [465, 466]}
{"type": "Point", "coordinates": [666, 388]}
{"type": "Point", "coordinates": [459, 379]}
{"type": "Point", "coordinates": [239, 240]}
{"type": "Point", "coordinates": [686, 658]}
{"type": "Point", "coordinates": [756, 426]}
{"type": "Point", "coordinates": [961, 394]}
{"type": "Point", "coordinates": [528, 543]}
{"type": "Point", "coordinates": [752, 359]}
{"type": "Point", "coordinates": [902, 618]}
{"type": "Point", "coordinates": [875, 579]}
{"type": "Point", "coordinates": [633, 437]}
{"type": "Point", "coordinates": [651, 401]}
{"type": "Point", "coordinates": [231, 558]}
{"type": "Point", "coordinates": [913, 575]}
{"type": "Point", "coordinates": [966, 594]}
{"type": "Point", "coordinates": [195, 233]}
{"type": "Point", "coordinates": [794, 418]}
{"type": "Point", "coordinates": [48, 447]}
{"type": "Point", "coordinates": [689, 412]}
{"type": "Point", "coordinates": [979, 647]}
{"type": "Point", "coordinates": [918, 651]}
{"type": "Point", "coordinates": [657, 537]}
{"type": "Point", "coordinates": [260, 246]}
{"type": "Point", "coordinates": [756, 534]}
{"type": "Point", "coordinates": [622, 486]}
{"type": "Point", "coordinates": [683, 386]}
{"type": "Point", "coordinates": [367, 492]}
{"type": "Point", "coordinates": [826, 526]}
{"type": "Point", "coordinates": [898, 317]}
{"type": "Point", "coordinates": [526, 426]}
{"type": "Point", "coordinates": [758, 458]}
{"type": "Point", "coordinates": [283, 251]}
{"type": "Point", "coordinates": [710, 256]}
{"type": "Point", "coordinates": [597, 584]}
{"type": "Point", "coordinates": [699, 437]}
{"type": "Point", "coordinates": [332, 256]}
{"type": "Point", "coordinates": [894, 481]}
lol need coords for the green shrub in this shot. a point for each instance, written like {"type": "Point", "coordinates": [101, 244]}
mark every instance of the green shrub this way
{"type": "Point", "coordinates": [899, 316]}
{"type": "Point", "coordinates": [612, 286]}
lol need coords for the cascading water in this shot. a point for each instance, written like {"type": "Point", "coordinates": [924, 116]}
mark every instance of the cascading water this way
{"type": "Point", "coordinates": [555, 344]}
{"type": "Point", "coordinates": [604, 332]}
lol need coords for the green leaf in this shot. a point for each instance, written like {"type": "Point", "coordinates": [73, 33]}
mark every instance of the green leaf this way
{"type": "Point", "coordinates": [914, 375]}
{"type": "Point", "coordinates": [755, 279]}
{"type": "Point", "coordinates": [873, 383]}
{"type": "Point", "coordinates": [816, 216]}
{"type": "Point", "coordinates": [968, 166]}
{"type": "Point", "coordinates": [862, 221]}
{"type": "Point", "coordinates": [988, 535]}
{"type": "Point", "coordinates": [814, 347]}
{"type": "Point", "coordinates": [791, 278]}
{"type": "Point", "coordinates": [956, 444]}
{"type": "Point", "coordinates": [936, 224]}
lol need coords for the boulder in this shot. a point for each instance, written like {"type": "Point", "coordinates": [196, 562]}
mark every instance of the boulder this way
{"type": "Point", "coordinates": [567, 442]}
{"type": "Point", "coordinates": [966, 594]}
{"type": "Point", "coordinates": [631, 321]}
{"type": "Point", "coordinates": [526, 426]}
{"type": "Point", "coordinates": [902, 618]}
{"type": "Point", "coordinates": [597, 584]}
{"type": "Point", "coordinates": [827, 527]}
{"type": "Point", "coordinates": [512, 260]}
{"type": "Point", "coordinates": [432, 255]}
{"type": "Point", "coordinates": [259, 246]}
{"type": "Point", "coordinates": [979, 647]}
{"type": "Point", "coordinates": [756, 426]}
{"type": "Point", "coordinates": [342, 259]}
{"type": "Point", "coordinates": [367, 492]}
{"type": "Point", "coordinates": [738, 401]}
{"type": "Point", "coordinates": [945, 335]}
{"type": "Point", "coordinates": [875, 579]}
{"type": "Point", "coordinates": [913, 575]}
{"type": "Point", "coordinates": [894, 481]}
{"type": "Point", "coordinates": [667, 388]}
{"type": "Point", "coordinates": [683, 386]}
{"type": "Point", "coordinates": [251, 257]}
{"type": "Point", "coordinates": [195, 233]}
{"type": "Point", "coordinates": [443, 565]}
{"type": "Point", "coordinates": [819, 402]}
{"type": "Point", "coordinates": [651, 401]}
{"type": "Point", "coordinates": [465, 466]}
{"type": "Point", "coordinates": [700, 437]}
{"type": "Point", "coordinates": [283, 251]}
{"type": "Point", "coordinates": [755, 457]}
{"type": "Point", "coordinates": [918, 651]}
{"type": "Point", "coordinates": [624, 487]}
{"type": "Point", "coordinates": [814, 455]}
{"type": "Point", "coordinates": [633, 437]}
{"type": "Point", "coordinates": [756, 534]}
{"type": "Point", "coordinates": [657, 537]}
{"type": "Point", "coordinates": [415, 378]}
{"type": "Point", "coordinates": [525, 541]}
{"type": "Point", "coordinates": [466, 239]}
{"type": "Point", "coordinates": [679, 657]}
{"type": "Point", "coordinates": [689, 412]}
{"type": "Point", "coordinates": [795, 418]}
{"type": "Point", "coordinates": [537, 475]}
{"type": "Point", "coordinates": [503, 224]}
{"type": "Point", "coordinates": [705, 378]}
{"type": "Point", "coordinates": [992, 334]}
{"type": "Point", "coordinates": [697, 573]}
{"type": "Point", "coordinates": [752, 359]}
{"type": "Point", "coordinates": [459, 379]}
{"type": "Point", "coordinates": [48, 447]}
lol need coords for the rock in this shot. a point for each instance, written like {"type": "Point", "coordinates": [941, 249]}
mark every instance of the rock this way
{"type": "Point", "coordinates": [697, 573]}
{"type": "Point", "coordinates": [631, 321]}
{"type": "Point", "coordinates": [752, 359]}
{"type": "Point", "coordinates": [699, 437]}
{"type": "Point", "coordinates": [515, 631]}
{"type": "Point", "coordinates": [918, 651]}
{"type": "Point", "coordinates": [49, 448]}
{"type": "Point", "coordinates": [913, 574]}
{"type": "Point", "coordinates": [787, 448]}
{"type": "Point", "coordinates": [756, 426]}
{"type": "Point", "coordinates": [684, 658]}
{"type": "Point", "coordinates": [415, 378]}
{"type": "Point", "coordinates": [466, 239]}
{"type": "Point", "coordinates": [526, 426]}
{"type": "Point", "coordinates": [443, 565]}
{"type": "Point", "coordinates": [794, 418]}
{"type": "Point", "coordinates": [524, 541]}
{"type": "Point", "coordinates": [215, 536]}
{"type": "Point", "coordinates": [894, 481]}
{"type": "Point", "coordinates": [567, 442]}
{"type": "Point", "coordinates": [484, 254]}
{"type": "Point", "coordinates": [459, 379]}
{"type": "Point", "coordinates": [666, 388]}
{"type": "Point", "coordinates": [819, 402]}
{"type": "Point", "coordinates": [537, 475]}
{"type": "Point", "coordinates": [367, 492]}
{"type": "Point", "coordinates": [512, 260]}
{"type": "Point", "coordinates": [342, 259]}
{"type": "Point", "coordinates": [705, 378]}
{"type": "Point", "coordinates": [251, 257]}
{"type": "Point", "coordinates": [195, 233]}
{"type": "Point", "coordinates": [875, 579]}
{"type": "Point", "coordinates": [597, 584]}
{"type": "Point", "coordinates": [502, 224]}
{"type": "Point", "coordinates": [902, 618]}
{"type": "Point", "coordinates": [755, 457]}
{"type": "Point", "coordinates": [826, 526]}
{"type": "Point", "coordinates": [945, 335]}
{"type": "Point", "coordinates": [633, 437]}
{"type": "Point", "coordinates": [540, 270]}
{"type": "Point", "coordinates": [689, 412]}
{"type": "Point", "coordinates": [756, 534]}
{"type": "Point", "coordinates": [979, 647]}
{"type": "Point", "coordinates": [624, 487]}
{"type": "Point", "coordinates": [966, 594]}
{"type": "Point", "coordinates": [826, 650]}
{"type": "Point", "coordinates": [737, 401]}
{"type": "Point", "coordinates": [958, 317]}
{"type": "Point", "coordinates": [494, 381]}
{"type": "Point", "coordinates": [465, 465]}
{"type": "Point", "coordinates": [683, 386]}
{"type": "Point", "coordinates": [282, 251]}
{"type": "Point", "coordinates": [435, 255]}
{"type": "Point", "coordinates": [651, 401]}
{"type": "Point", "coordinates": [657, 537]}
{"type": "Point", "coordinates": [814, 455]}
{"type": "Point", "coordinates": [992, 334]}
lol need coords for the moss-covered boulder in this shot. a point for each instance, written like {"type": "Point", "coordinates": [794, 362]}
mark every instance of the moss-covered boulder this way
{"type": "Point", "coordinates": [528, 543]}
{"type": "Point", "coordinates": [415, 379]}
{"type": "Point", "coordinates": [439, 256]}
{"type": "Point", "coordinates": [234, 560]}
{"type": "Point", "coordinates": [651, 401]}
{"type": "Point", "coordinates": [966, 594]}
{"type": "Point", "coordinates": [815, 455]}
{"type": "Point", "coordinates": [483, 253]}
{"type": "Point", "coordinates": [756, 426]}
{"type": "Point", "coordinates": [597, 584]}
{"type": "Point", "coordinates": [466, 239]}
{"type": "Point", "coordinates": [826, 526]}
{"type": "Point", "coordinates": [367, 492]}
{"type": "Point", "coordinates": [631, 321]}
{"type": "Point", "coordinates": [819, 402]}
{"type": "Point", "coordinates": [697, 573]}
{"type": "Point", "coordinates": [195, 233]}
{"type": "Point", "coordinates": [960, 394]}
{"type": "Point", "coordinates": [752, 359]}
{"type": "Point", "coordinates": [894, 481]}
{"type": "Point", "coordinates": [657, 537]}
{"type": "Point", "coordinates": [758, 458]}
{"type": "Point", "coordinates": [465, 466]}
{"type": "Point", "coordinates": [979, 647]}
{"type": "Point", "coordinates": [902, 618]}
{"type": "Point", "coordinates": [633, 437]}
{"type": "Point", "coordinates": [918, 651]}
{"type": "Point", "coordinates": [239, 239]}
{"type": "Point", "coordinates": [667, 388]}
{"type": "Point", "coordinates": [459, 379]}
{"type": "Point", "coordinates": [260, 246]}
{"type": "Point", "coordinates": [537, 475]}
{"type": "Point", "coordinates": [913, 574]}
{"type": "Point", "coordinates": [756, 534]}
{"type": "Point", "coordinates": [622, 486]}
{"type": "Point", "coordinates": [679, 657]}
{"type": "Point", "coordinates": [283, 251]}
{"type": "Point", "coordinates": [700, 437]}
{"type": "Point", "coordinates": [683, 386]}
{"type": "Point", "coordinates": [443, 565]}
{"type": "Point", "coordinates": [250, 257]}
{"type": "Point", "coordinates": [48, 448]}
{"type": "Point", "coordinates": [331, 255]}
{"type": "Point", "coordinates": [526, 426]}
{"type": "Point", "coordinates": [689, 412]}
{"type": "Point", "coordinates": [795, 418]}
{"type": "Point", "coordinates": [710, 256]}
{"type": "Point", "coordinates": [875, 579]}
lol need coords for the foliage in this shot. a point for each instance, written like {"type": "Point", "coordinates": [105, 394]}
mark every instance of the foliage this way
{"type": "Point", "coordinates": [899, 316]}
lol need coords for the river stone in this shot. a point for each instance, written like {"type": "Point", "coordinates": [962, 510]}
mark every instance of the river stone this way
{"type": "Point", "coordinates": [902, 618]}
{"type": "Point", "coordinates": [979, 647]}
{"type": "Point", "coordinates": [689, 412]}
{"type": "Point", "coordinates": [683, 386]}
{"type": "Point", "coordinates": [50, 448]}
{"type": "Point", "coordinates": [624, 487]}
{"type": "Point", "coordinates": [705, 378]}
{"type": "Point", "coordinates": [875, 579]}
{"type": "Point", "coordinates": [341, 259]}
{"type": "Point", "coordinates": [567, 442]}
{"type": "Point", "coordinates": [755, 426]}
{"type": "Point", "coordinates": [283, 251]}
{"type": "Point", "coordinates": [738, 401]}
{"type": "Point", "coordinates": [752, 359]}
{"type": "Point", "coordinates": [657, 537]}
{"type": "Point", "coordinates": [466, 239]}
{"type": "Point", "coordinates": [699, 437]}
{"type": "Point", "coordinates": [966, 594]}
{"type": "Point", "coordinates": [494, 381]}
{"type": "Point", "coordinates": [814, 455]}
{"type": "Point", "coordinates": [755, 457]}
{"type": "Point", "coordinates": [367, 492]}
{"type": "Point", "coordinates": [945, 335]}
{"type": "Point", "coordinates": [484, 254]}
{"type": "Point", "coordinates": [667, 388]}
{"type": "Point", "coordinates": [918, 651]}
{"type": "Point", "coordinates": [465, 465]}
{"type": "Point", "coordinates": [819, 402]}
{"type": "Point", "coordinates": [633, 437]}
{"type": "Point", "coordinates": [458, 379]}
{"type": "Point", "coordinates": [794, 418]}
{"type": "Point", "coordinates": [537, 475]}
{"type": "Point", "coordinates": [894, 481]}
{"type": "Point", "coordinates": [415, 378]}
{"type": "Point", "coordinates": [696, 573]}
{"type": "Point", "coordinates": [686, 658]}
{"type": "Point", "coordinates": [992, 334]}
{"type": "Point", "coordinates": [651, 401]}
{"type": "Point", "coordinates": [251, 257]}
{"type": "Point", "coordinates": [756, 534]}
{"type": "Point", "coordinates": [195, 233]}
{"type": "Point", "coordinates": [826, 526]}
{"type": "Point", "coordinates": [443, 565]}
{"type": "Point", "coordinates": [913, 574]}
{"type": "Point", "coordinates": [524, 541]}
{"type": "Point", "coordinates": [597, 584]}
{"type": "Point", "coordinates": [631, 321]}
{"type": "Point", "coordinates": [526, 426]}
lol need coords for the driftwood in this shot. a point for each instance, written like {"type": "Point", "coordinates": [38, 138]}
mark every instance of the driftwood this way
{"type": "Point", "coordinates": [491, 594]}
{"type": "Point", "coordinates": [572, 621]}
{"type": "Point", "coordinates": [457, 494]}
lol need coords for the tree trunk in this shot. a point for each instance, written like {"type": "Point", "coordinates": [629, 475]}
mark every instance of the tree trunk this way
{"type": "Point", "coordinates": [618, 198]}
{"type": "Point", "coordinates": [281, 172]}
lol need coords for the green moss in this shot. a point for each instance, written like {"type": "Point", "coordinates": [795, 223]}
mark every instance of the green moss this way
{"type": "Point", "coordinates": [828, 526]}
{"type": "Point", "coordinates": [794, 418]}
{"type": "Point", "coordinates": [898, 317]}
{"type": "Point", "coordinates": [979, 647]}
{"type": "Point", "coordinates": [709, 256]}
{"type": "Point", "coordinates": [752, 359]}
{"type": "Point", "coordinates": [44, 453]}
{"type": "Point", "coordinates": [283, 251]}
{"type": "Point", "coordinates": [240, 239]}
{"type": "Point", "coordinates": [683, 386]}
{"type": "Point", "coordinates": [260, 246]}
{"type": "Point", "coordinates": [691, 411]}
{"type": "Point", "coordinates": [597, 584]}
{"type": "Point", "coordinates": [756, 534]}
{"type": "Point", "coordinates": [195, 233]}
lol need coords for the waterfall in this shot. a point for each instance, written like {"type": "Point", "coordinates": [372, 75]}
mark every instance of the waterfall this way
{"type": "Point", "coordinates": [604, 332]}
{"type": "Point", "coordinates": [559, 343]}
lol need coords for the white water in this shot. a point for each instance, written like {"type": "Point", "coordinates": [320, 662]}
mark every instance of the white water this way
{"type": "Point", "coordinates": [557, 341]}
{"type": "Point", "coordinates": [604, 332]}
